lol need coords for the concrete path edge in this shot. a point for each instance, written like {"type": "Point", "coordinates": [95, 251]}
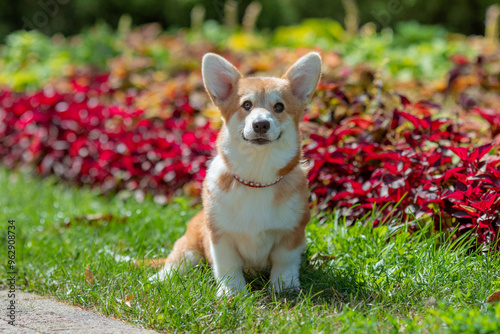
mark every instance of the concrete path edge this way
{"type": "Point", "coordinates": [37, 314]}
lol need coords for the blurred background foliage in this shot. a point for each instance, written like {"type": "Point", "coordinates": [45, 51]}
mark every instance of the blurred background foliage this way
{"type": "Point", "coordinates": [410, 51]}
{"type": "Point", "coordinates": [104, 36]}
{"type": "Point", "coordinates": [69, 17]}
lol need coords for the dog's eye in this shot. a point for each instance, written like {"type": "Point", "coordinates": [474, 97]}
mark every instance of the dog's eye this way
{"type": "Point", "coordinates": [247, 105]}
{"type": "Point", "coordinates": [279, 107]}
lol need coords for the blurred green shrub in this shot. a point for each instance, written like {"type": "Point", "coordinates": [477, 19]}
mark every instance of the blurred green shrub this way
{"type": "Point", "coordinates": [71, 16]}
{"type": "Point", "coordinates": [29, 58]}
{"type": "Point", "coordinates": [312, 32]}
{"type": "Point", "coordinates": [411, 51]}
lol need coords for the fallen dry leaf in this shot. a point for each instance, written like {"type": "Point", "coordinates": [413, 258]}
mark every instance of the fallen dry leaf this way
{"type": "Point", "coordinates": [128, 298]}
{"type": "Point", "coordinates": [495, 297]}
{"type": "Point", "coordinates": [89, 277]}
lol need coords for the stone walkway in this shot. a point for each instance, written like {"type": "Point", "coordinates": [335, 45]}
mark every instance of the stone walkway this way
{"type": "Point", "coordinates": [35, 314]}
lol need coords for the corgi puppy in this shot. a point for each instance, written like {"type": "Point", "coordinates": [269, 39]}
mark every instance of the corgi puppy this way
{"type": "Point", "coordinates": [255, 194]}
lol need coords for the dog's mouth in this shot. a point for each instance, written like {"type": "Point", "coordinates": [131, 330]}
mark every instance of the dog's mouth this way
{"type": "Point", "coordinates": [260, 141]}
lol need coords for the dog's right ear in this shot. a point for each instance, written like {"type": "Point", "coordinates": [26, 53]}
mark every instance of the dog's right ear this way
{"type": "Point", "coordinates": [219, 76]}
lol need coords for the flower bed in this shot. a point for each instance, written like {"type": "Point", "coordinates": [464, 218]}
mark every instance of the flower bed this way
{"type": "Point", "coordinates": [372, 150]}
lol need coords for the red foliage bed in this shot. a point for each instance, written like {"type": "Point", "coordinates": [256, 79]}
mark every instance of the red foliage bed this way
{"type": "Point", "coordinates": [372, 151]}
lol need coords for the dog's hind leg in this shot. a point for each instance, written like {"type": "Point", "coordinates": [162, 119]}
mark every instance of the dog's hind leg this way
{"type": "Point", "coordinates": [188, 251]}
{"type": "Point", "coordinates": [180, 260]}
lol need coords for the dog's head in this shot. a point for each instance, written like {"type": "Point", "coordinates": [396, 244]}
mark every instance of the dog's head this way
{"type": "Point", "coordinates": [261, 110]}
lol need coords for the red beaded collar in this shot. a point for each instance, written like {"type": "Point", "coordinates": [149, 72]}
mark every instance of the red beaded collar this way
{"type": "Point", "coordinates": [256, 184]}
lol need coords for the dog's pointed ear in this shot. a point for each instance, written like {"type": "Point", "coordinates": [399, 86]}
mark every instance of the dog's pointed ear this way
{"type": "Point", "coordinates": [219, 76]}
{"type": "Point", "coordinates": [304, 76]}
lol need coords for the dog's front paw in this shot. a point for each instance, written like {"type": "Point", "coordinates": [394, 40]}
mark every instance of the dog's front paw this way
{"type": "Point", "coordinates": [228, 291]}
{"type": "Point", "coordinates": [280, 289]}
{"type": "Point", "coordinates": [278, 285]}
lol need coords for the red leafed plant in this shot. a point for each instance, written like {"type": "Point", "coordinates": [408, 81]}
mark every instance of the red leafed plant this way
{"type": "Point", "coordinates": [407, 173]}
{"type": "Point", "coordinates": [79, 138]}
{"type": "Point", "coordinates": [472, 196]}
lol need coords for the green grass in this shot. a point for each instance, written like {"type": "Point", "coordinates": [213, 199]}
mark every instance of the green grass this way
{"type": "Point", "coordinates": [355, 279]}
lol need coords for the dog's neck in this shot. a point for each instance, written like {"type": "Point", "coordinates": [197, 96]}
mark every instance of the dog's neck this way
{"type": "Point", "coordinates": [262, 164]}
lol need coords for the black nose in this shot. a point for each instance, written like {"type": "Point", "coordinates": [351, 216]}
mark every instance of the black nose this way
{"type": "Point", "coordinates": [261, 126]}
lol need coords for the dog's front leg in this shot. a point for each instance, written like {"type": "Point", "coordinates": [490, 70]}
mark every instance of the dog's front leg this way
{"type": "Point", "coordinates": [285, 265]}
{"type": "Point", "coordinates": [227, 267]}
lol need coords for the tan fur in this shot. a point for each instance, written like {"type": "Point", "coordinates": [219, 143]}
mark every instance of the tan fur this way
{"type": "Point", "coordinates": [295, 182]}
{"type": "Point", "coordinates": [213, 231]}
{"type": "Point", "coordinates": [291, 165]}
{"type": "Point", "coordinates": [294, 106]}
{"type": "Point", "coordinates": [297, 237]}
{"type": "Point", "coordinates": [226, 181]}
{"type": "Point", "coordinates": [193, 240]}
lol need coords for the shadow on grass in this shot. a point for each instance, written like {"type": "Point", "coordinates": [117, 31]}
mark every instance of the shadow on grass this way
{"type": "Point", "coordinates": [321, 284]}
{"type": "Point", "coordinates": [326, 284]}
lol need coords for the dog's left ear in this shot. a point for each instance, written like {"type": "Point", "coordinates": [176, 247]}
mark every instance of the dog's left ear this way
{"type": "Point", "coordinates": [304, 76]}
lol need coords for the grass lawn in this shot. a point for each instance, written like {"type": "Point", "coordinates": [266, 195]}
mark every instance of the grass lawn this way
{"type": "Point", "coordinates": [355, 279]}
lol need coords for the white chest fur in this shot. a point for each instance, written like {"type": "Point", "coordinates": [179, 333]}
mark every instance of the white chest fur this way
{"type": "Point", "coordinates": [249, 216]}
